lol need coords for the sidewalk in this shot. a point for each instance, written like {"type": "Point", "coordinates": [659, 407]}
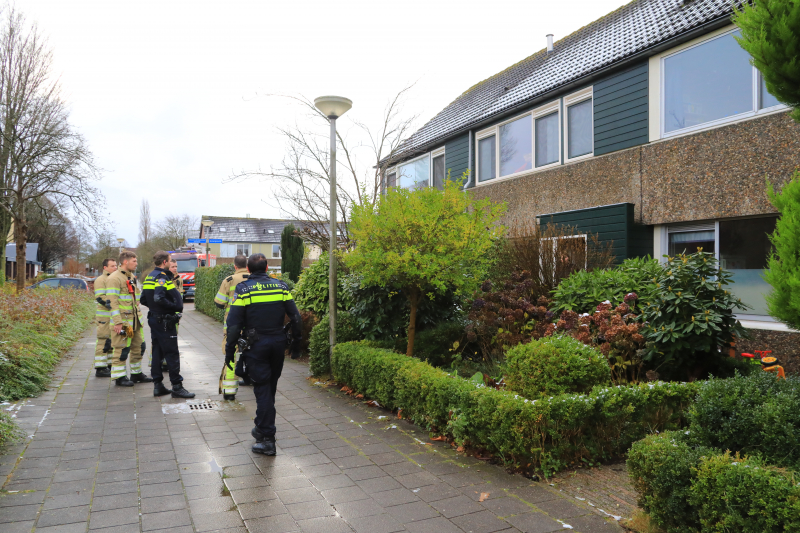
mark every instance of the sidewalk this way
{"type": "Point", "coordinates": [111, 459]}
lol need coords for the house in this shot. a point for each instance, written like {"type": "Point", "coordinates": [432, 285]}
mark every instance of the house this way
{"type": "Point", "coordinates": [247, 236]}
{"type": "Point", "coordinates": [32, 263]}
{"type": "Point", "coordinates": [648, 127]}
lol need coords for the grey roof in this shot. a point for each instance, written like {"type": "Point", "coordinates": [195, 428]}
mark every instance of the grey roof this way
{"type": "Point", "coordinates": [631, 29]}
{"type": "Point", "coordinates": [31, 253]}
{"type": "Point", "coordinates": [255, 229]}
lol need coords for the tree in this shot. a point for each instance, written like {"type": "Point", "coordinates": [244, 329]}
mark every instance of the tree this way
{"type": "Point", "coordinates": [771, 35]}
{"type": "Point", "coordinates": [292, 252]}
{"type": "Point", "coordinates": [55, 233]}
{"type": "Point", "coordinates": [41, 155]}
{"type": "Point", "coordinates": [303, 177]}
{"type": "Point", "coordinates": [174, 229]}
{"type": "Point", "coordinates": [424, 242]}
{"type": "Point", "coordinates": [783, 267]}
{"type": "Point", "coordinates": [104, 246]}
{"type": "Point", "coordinates": [145, 222]}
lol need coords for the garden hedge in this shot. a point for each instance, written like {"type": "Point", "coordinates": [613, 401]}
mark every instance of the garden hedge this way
{"type": "Point", "coordinates": [207, 281]}
{"type": "Point", "coordinates": [548, 434]}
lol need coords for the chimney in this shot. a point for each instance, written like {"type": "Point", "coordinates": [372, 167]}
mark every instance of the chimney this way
{"type": "Point", "coordinates": [549, 43]}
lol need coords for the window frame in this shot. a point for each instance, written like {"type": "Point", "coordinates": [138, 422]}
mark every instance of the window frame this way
{"type": "Point", "coordinates": [280, 255]}
{"type": "Point", "coordinates": [430, 155]}
{"type": "Point", "coordinates": [755, 84]}
{"type": "Point", "coordinates": [571, 100]}
{"type": "Point", "coordinates": [555, 240]}
{"type": "Point", "coordinates": [439, 152]}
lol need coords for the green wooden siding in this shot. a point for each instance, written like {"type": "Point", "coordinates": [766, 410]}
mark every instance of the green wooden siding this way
{"type": "Point", "coordinates": [620, 110]}
{"type": "Point", "coordinates": [456, 154]}
{"type": "Point", "coordinates": [612, 224]}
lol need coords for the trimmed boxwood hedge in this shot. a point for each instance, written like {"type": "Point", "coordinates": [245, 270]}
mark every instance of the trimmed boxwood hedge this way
{"type": "Point", "coordinates": [207, 281]}
{"type": "Point", "coordinates": [548, 433]}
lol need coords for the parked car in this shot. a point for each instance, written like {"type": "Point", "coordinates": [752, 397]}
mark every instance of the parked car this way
{"type": "Point", "coordinates": [61, 283]}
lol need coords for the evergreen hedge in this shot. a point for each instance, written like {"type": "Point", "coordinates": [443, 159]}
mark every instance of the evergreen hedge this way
{"type": "Point", "coordinates": [206, 284]}
{"type": "Point", "coordinates": [548, 434]}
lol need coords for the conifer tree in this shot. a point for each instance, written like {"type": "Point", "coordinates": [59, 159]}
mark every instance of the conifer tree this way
{"type": "Point", "coordinates": [291, 253]}
{"type": "Point", "coordinates": [771, 35]}
{"type": "Point", "coordinates": [784, 264]}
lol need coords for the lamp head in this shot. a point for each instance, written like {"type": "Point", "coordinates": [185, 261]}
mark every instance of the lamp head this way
{"type": "Point", "coordinates": [207, 223]}
{"type": "Point", "coordinates": [333, 106]}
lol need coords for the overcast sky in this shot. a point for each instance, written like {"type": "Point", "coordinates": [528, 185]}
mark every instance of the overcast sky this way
{"type": "Point", "coordinates": [173, 96]}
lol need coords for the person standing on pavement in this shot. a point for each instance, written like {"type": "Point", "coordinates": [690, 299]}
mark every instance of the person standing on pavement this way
{"type": "Point", "coordinates": [165, 304]}
{"type": "Point", "coordinates": [229, 383]}
{"type": "Point", "coordinates": [102, 349]}
{"type": "Point", "coordinates": [126, 338]}
{"type": "Point", "coordinates": [257, 312]}
{"type": "Point", "coordinates": [176, 279]}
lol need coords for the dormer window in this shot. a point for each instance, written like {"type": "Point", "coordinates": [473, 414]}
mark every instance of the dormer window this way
{"type": "Point", "coordinates": [242, 230]}
{"type": "Point", "coordinates": [223, 229]}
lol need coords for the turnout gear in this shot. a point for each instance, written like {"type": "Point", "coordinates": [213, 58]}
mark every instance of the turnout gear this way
{"type": "Point", "coordinates": [259, 306]}
{"type": "Point", "coordinates": [102, 317]}
{"type": "Point", "coordinates": [122, 295]}
{"type": "Point", "coordinates": [165, 303]}
{"type": "Point", "coordinates": [228, 383]}
{"type": "Point", "coordinates": [178, 282]}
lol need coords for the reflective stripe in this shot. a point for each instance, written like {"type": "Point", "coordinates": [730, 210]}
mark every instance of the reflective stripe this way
{"type": "Point", "coordinates": [287, 296]}
{"type": "Point", "coordinates": [126, 297]}
{"type": "Point", "coordinates": [109, 290]}
{"type": "Point", "coordinates": [221, 297]}
{"type": "Point", "coordinates": [114, 313]}
{"type": "Point", "coordinates": [118, 372]}
{"type": "Point", "coordinates": [136, 368]}
{"type": "Point", "coordinates": [266, 298]}
{"type": "Point", "coordinates": [102, 313]}
{"type": "Point", "coordinates": [99, 292]}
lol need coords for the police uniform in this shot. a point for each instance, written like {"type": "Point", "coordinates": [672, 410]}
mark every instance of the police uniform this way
{"type": "Point", "coordinates": [164, 301]}
{"type": "Point", "coordinates": [229, 383]}
{"type": "Point", "coordinates": [257, 311]}
{"type": "Point", "coordinates": [102, 315]}
{"type": "Point", "coordinates": [121, 292]}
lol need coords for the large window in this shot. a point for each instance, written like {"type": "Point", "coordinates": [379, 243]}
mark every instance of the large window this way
{"type": "Point", "coordinates": [486, 159]}
{"type": "Point", "coordinates": [709, 83]}
{"type": "Point", "coordinates": [415, 174]}
{"type": "Point", "coordinates": [276, 250]}
{"type": "Point", "coordinates": [579, 129]}
{"type": "Point", "coordinates": [233, 249]}
{"type": "Point", "coordinates": [547, 140]}
{"type": "Point", "coordinates": [515, 146]}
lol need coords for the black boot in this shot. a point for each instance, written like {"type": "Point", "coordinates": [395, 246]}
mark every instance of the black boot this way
{"type": "Point", "coordinates": [229, 397]}
{"type": "Point", "coordinates": [102, 372]}
{"type": "Point", "coordinates": [141, 378]}
{"type": "Point", "coordinates": [179, 392]}
{"type": "Point", "coordinates": [160, 389]}
{"type": "Point", "coordinates": [124, 382]}
{"type": "Point", "coordinates": [266, 446]}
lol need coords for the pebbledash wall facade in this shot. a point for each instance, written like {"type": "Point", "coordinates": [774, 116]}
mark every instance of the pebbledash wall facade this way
{"type": "Point", "coordinates": [671, 146]}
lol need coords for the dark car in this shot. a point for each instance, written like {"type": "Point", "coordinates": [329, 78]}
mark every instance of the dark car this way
{"type": "Point", "coordinates": [61, 283]}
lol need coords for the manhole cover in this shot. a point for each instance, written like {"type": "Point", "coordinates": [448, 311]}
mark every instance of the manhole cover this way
{"type": "Point", "coordinates": [201, 405]}
{"type": "Point", "coordinates": [191, 406]}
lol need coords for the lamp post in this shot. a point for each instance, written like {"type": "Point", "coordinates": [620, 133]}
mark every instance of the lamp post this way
{"type": "Point", "coordinates": [332, 107]}
{"type": "Point", "coordinates": [208, 224]}
{"type": "Point", "coordinates": [120, 240]}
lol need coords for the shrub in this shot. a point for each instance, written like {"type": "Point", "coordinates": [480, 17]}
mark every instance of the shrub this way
{"type": "Point", "coordinates": [553, 366]}
{"type": "Point", "coordinates": [660, 468]}
{"type": "Point", "coordinates": [690, 317]}
{"type": "Point", "coordinates": [436, 345]}
{"type": "Point", "coordinates": [311, 291]}
{"type": "Point", "coordinates": [583, 291]}
{"type": "Point", "coordinates": [783, 269]}
{"type": "Point", "coordinates": [207, 281]}
{"type": "Point", "coordinates": [548, 433]}
{"type": "Point", "coordinates": [757, 414]}
{"type": "Point", "coordinates": [745, 495]}
{"type": "Point", "coordinates": [319, 341]}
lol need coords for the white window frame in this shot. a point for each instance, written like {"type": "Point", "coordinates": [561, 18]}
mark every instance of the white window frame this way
{"type": "Point", "coordinates": [272, 254]}
{"type": "Point", "coordinates": [478, 137]}
{"type": "Point", "coordinates": [756, 81]}
{"type": "Point", "coordinates": [243, 245]}
{"type": "Point", "coordinates": [555, 241]}
{"type": "Point", "coordinates": [497, 147]}
{"type": "Point", "coordinates": [570, 100]}
{"type": "Point", "coordinates": [430, 155]}
{"type": "Point", "coordinates": [439, 152]}
{"type": "Point", "coordinates": [539, 112]}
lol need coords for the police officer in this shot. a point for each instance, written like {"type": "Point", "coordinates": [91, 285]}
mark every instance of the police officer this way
{"type": "Point", "coordinates": [165, 304]}
{"type": "Point", "coordinates": [229, 383]}
{"type": "Point", "coordinates": [102, 349]}
{"type": "Point", "coordinates": [126, 338]}
{"type": "Point", "coordinates": [259, 307]}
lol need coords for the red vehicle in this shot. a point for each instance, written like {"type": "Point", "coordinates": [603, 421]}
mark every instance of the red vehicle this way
{"type": "Point", "coordinates": [188, 262]}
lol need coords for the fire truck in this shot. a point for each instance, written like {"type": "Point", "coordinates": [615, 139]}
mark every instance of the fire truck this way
{"type": "Point", "coordinates": [188, 262]}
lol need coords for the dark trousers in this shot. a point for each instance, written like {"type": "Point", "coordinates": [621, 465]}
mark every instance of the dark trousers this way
{"type": "Point", "coordinates": [264, 363]}
{"type": "Point", "coordinates": [165, 346]}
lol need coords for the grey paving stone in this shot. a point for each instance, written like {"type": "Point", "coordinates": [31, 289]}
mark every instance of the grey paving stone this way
{"type": "Point", "coordinates": [163, 503]}
{"type": "Point", "coordinates": [324, 525]}
{"type": "Point", "coordinates": [278, 524]}
{"type": "Point", "coordinates": [258, 494]}
{"type": "Point", "coordinates": [534, 523]}
{"type": "Point", "coordinates": [382, 523]}
{"type": "Point", "coordinates": [78, 527]}
{"type": "Point", "coordinates": [116, 517]}
{"type": "Point", "coordinates": [22, 498]}
{"type": "Point", "coordinates": [164, 520]}
{"type": "Point", "coordinates": [117, 501]}
{"type": "Point", "coordinates": [117, 487]}
{"type": "Point", "coordinates": [457, 506]}
{"type": "Point", "coordinates": [378, 484]}
{"type": "Point", "coordinates": [436, 492]}
{"type": "Point", "coordinates": [482, 522]}
{"type": "Point", "coordinates": [242, 470]}
{"type": "Point", "coordinates": [399, 496]}
{"type": "Point", "coordinates": [506, 506]}
{"type": "Point", "coordinates": [19, 527]}
{"type": "Point", "coordinates": [332, 482]}
{"type": "Point", "coordinates": [298, 495]}
{"type": "Point", "coordinates": [217, 521]}
{"type": "Point", "coordinates": [312, 509]}
{"type": "Point", "coordinates": [562, 508]}
{"type": "Point", "coordinates": [358, 508]}
{"type": "Point", "coordinates": [262, 509]}
{"type": "Point", "coordinates": [162, 489]}
{"type": "Point", "coordinates": [57, 517]}
{"type": "Point", "coordinates": [293, 482]}
{"type": "Point", "coordinates": [218, 504]}
{"type": "Point", "coordinates": [593, 524]}
{"type": "Point", "coordinates": [19, 513]}
{"type": "Point", "coordinates": [534, 494]}
{"type": "Point", "coordinates": [417, 480]}
{"type": "Point", "coordinates": [66, 500]}
{"type": "Point", "coordinates": [116, 475]}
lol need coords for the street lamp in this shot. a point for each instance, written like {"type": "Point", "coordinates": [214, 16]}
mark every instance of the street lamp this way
{"type": "Point", "coordinates": [332, 107]}
{"type": "Point", "coordinates": [207, 224]}
{"type": "Point", "coordinates": [120, 240]}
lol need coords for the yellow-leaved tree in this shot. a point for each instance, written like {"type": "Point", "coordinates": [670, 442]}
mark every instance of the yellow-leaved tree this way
{"type": "Point", "coordinates": [425, 241]}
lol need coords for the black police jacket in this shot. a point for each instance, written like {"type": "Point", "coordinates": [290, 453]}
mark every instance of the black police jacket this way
{"type": "Point", "coordinates": [159, 294]}
{"type": "Point", "coordinates": [261, 303]}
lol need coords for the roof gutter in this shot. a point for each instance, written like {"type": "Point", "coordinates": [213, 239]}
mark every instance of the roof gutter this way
{"type": "Point", "coordinates": [647, 52]}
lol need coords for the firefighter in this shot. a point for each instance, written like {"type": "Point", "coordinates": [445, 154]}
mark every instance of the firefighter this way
{"type": "Point", "coordinates": [126, 337]}
{"type": "Point", "coordinates": [229, 383]}
{"type": "Point", "coordinates": [166, 304]}
{"type": "Point", "coordinates": [103, 350]}
{"type": "Point", "coordinates": [258, 309]}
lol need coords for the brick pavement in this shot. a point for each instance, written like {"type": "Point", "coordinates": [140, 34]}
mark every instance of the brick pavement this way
{"type": "Point", "coordinates": [100, 458]}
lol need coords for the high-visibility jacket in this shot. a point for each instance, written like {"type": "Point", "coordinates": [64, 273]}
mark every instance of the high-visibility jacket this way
{"type": "Point", "coordinates": [123, 294]}
{"type": "Point", "coordinates": [224, 295]}
{"type": "Point", "coordinates": [100, 292]}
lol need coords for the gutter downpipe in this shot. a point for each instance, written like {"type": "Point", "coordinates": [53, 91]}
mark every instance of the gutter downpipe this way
{"type": "Point", "coordinates": [469, 160]}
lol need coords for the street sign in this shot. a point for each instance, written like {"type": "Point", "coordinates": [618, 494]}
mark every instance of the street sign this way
{"type": "Point", "coordinates": [215, 241]}
{"type": "Point", "coordinates": [195, 240]}
{"type": "Point", "coordinates": [201, 241]}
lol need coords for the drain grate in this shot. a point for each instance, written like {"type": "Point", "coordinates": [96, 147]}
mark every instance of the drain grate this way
{"type": "Point", "coordinates": [203, 405]}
